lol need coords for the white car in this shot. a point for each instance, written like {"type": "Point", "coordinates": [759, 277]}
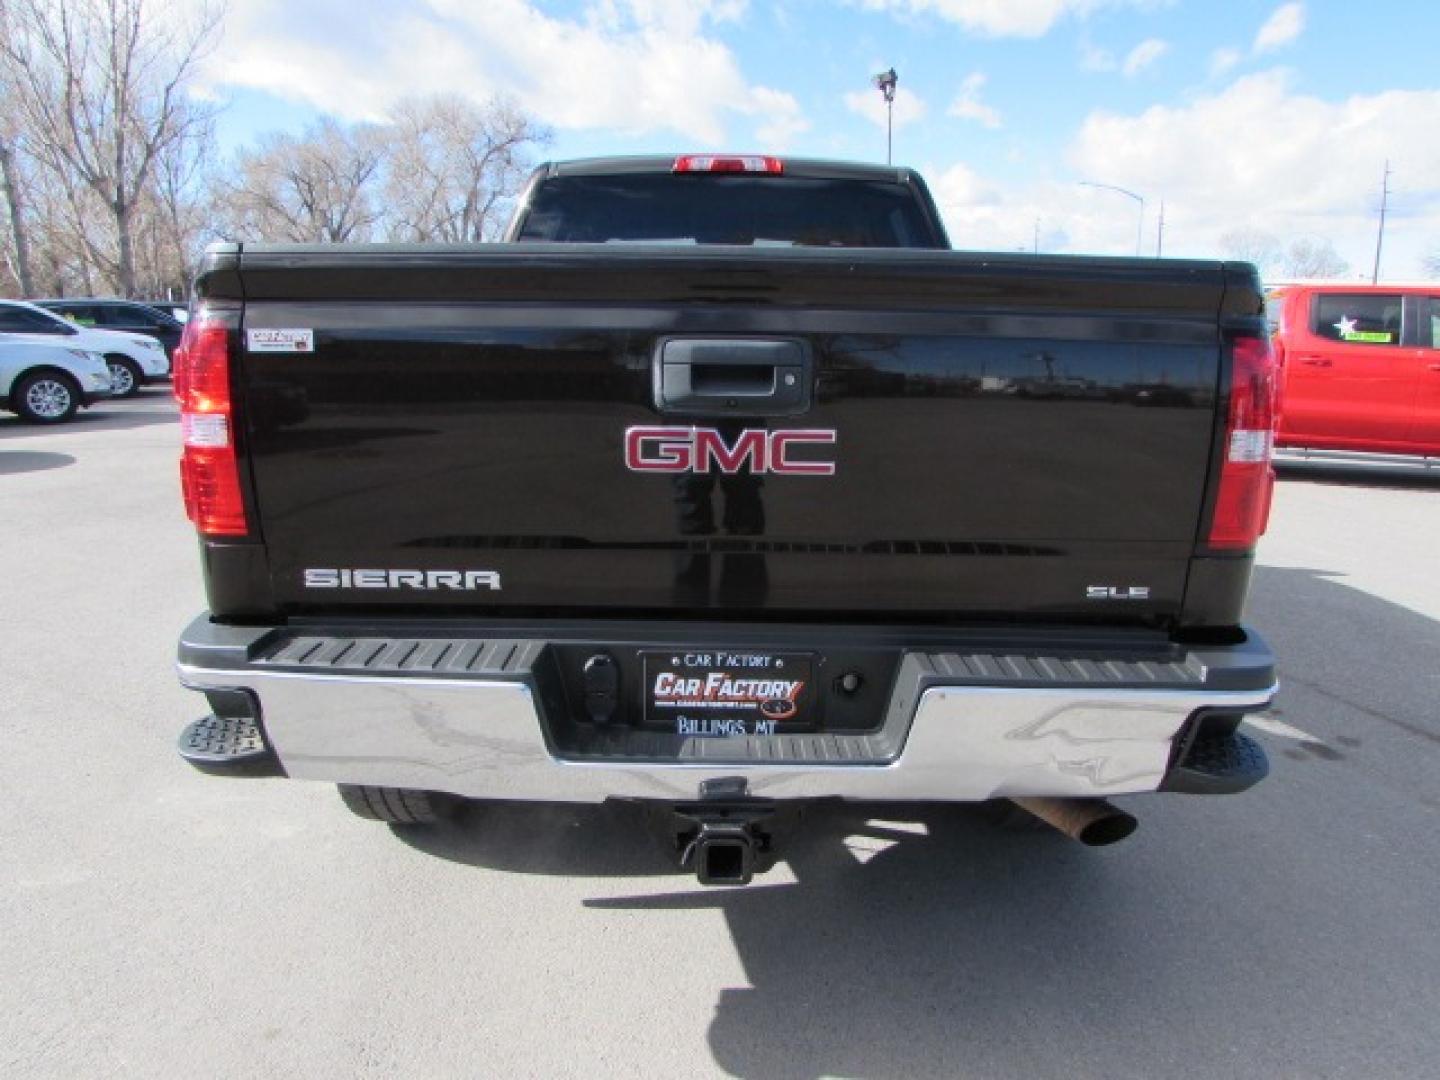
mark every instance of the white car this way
{"type": "Point", "coordinates": [133, 359]}
{"type": "Point", "coordinates": [48, 383]}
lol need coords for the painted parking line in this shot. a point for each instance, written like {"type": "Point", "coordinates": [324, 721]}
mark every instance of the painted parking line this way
{"type": "Point", "coordinates": [1278, 727]}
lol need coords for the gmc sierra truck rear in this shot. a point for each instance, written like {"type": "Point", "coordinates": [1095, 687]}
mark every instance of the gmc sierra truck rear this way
{"type": "Point", "coordinates": [723, 485]}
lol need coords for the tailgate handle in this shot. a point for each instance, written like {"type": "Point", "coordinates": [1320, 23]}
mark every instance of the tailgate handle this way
{"type": "Point", "coordinates": [733, 376]}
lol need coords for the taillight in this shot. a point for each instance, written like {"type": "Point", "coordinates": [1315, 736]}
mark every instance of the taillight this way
{"type": "Point", "coordinates": [1242, 505]}
{"type": "Point", "coordinates": [727, 163]}
{"type": "Point", "coordinates": [209, 472]}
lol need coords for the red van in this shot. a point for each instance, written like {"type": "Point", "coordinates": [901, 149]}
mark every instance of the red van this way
{"type": "Point", "coordinates": [1360, 366]}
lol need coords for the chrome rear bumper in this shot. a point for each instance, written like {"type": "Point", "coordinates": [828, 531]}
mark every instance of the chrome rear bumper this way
{"type": "Point", "coordinates": [485, 737]}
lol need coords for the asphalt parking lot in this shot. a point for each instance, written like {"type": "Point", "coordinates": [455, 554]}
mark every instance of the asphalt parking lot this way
{"type": "Point", "coordinates": [159, 922]}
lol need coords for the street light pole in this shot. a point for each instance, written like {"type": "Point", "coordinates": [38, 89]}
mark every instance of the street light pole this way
{"type": "Point", "coordinates": [1139, 225]}
{"type": "Point", "coordinates": [1380, 234]}
{"type": "Point", "coordinates": [885, 82]}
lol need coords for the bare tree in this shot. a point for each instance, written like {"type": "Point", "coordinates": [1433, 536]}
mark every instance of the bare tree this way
{"type": "Point", "coordinates": [454, 165]}
{"type": "Point", "coordinates": [177, 210]}
{"type": "Point", "coordinates": [1313, 258]}
{"type": "Point", "coordinates": [63, 224]}
{"type": "Point", "coordinates": [1431, 263]}
{"type": "Point", "coordinates": [12, 186]}
{"type": "Point", "coordinates": [1253, 246]}
{"type": "Point", "coordinates": [98, 87]}
{"type": "Point", "coordinates": [17, 247]}
{"type": "Point", "coordinates": [315, 188]}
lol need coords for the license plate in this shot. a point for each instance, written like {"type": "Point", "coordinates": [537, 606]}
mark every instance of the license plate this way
{"type": "Point", "coordinates": [718, 694]}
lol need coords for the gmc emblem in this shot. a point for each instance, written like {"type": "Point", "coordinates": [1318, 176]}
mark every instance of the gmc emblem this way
{"type": "Point", "coordinates": [754, 450]}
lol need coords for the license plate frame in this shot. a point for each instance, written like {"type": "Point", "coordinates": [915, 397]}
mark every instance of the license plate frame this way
{"type": "Point", "coordinates": [720, 693]}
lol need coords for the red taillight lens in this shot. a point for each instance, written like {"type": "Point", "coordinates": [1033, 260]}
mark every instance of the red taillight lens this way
{"type": "Point", "coordinates": [1242, 505]}
{"type": "Point", "coordinates": [209, 472]}
{"type": "Point", "coordinates": [727, 163]}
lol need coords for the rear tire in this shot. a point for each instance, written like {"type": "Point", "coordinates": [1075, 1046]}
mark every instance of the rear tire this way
{"type": "Point", "coordinates": [125, 376]}
{"type": "Point", "coordinates": [397, 806]}
{"type": "Point", "coordinates": [46, 397]}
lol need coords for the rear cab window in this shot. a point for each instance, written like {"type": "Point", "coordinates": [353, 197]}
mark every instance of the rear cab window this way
{"type": "Point", "coordinates": [1358, 318]}
{"type": "Point", "coordinates": [782, 211]}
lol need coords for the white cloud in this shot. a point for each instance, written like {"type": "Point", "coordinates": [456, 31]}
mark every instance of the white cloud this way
{"type": "Point", "coordinates": [1143, 55]}
{"type": "Point", "coordinates": [961, 185]}
{"type": "Point", "coordinates": [1223, 60]}
{"type": "Point", "coordinates": [628, 66]}
{"type": "Point", "coordinates": [1003, 18]}
{"type": "Point", "coordinates": [1259, 155]}
{"type": "Point", "coordinates": [1093, 58]}
{"type": "Point", "coordinates": [1283, 27]}
{"type": "Point", "coordinates": [968, 106]}
{"type": "Point", "coordinates": [909, 106]}
{"type": "Point", "coordinates": [1254, 155]}
{"type": "Point", "coordinates": [1285, 24]}
{"type": "Point", "coordinates": [781, 119]}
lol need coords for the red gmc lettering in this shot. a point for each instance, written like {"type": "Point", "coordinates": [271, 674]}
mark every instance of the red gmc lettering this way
{"type": "Point", "coordinates": [780, 443]}
{"type": "Point", "coordinates": [659, 449]}
{"type": "Point", "coordinates": [754, 450]}
{"type": "Point", "coordinates": [710, 446]}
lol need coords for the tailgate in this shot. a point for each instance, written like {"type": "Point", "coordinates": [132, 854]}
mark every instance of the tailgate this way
{"type": "Point", "coordinates": [980, 435]}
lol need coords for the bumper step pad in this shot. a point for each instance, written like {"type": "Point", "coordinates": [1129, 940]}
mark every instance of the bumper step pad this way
{"type": "Point", "coordinates": [1219, 765]}
{"type": "Point", "coordinates": [230, 745]}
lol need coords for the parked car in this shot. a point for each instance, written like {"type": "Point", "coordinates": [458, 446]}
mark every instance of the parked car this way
{"type": "Point", "coordinates": [122, 316]}
{"type": "Point", "coordinates": [1360, 366]}
{"type": "Point", "coordinates": [133, 359]}
{"type": "Point", "coordinates": [176, 309]}
{"type": "Point", "coordinates": [48, 383]}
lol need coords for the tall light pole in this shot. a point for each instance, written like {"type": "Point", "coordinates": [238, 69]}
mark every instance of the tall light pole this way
{"type": "Point", "coordinates": [885, 83]}
{"type": "Point", "coordinates": [1139, 225]}
{"type": "Point", "coordinates": [1380, 234]}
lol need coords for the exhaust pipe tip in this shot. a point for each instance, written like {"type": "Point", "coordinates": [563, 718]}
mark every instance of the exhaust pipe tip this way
{"type": "Point", "coordinates": [1110, 829]}
{"type": "Point", "coordinates": [1093, 822]}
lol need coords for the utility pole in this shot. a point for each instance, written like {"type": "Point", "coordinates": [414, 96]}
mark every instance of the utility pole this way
{"type": "Point", "coordinates": [1160, 231]}
{"type": "Point", "coordinates": [1380, 234]}
{"type": "Point", "coordinates": [885, 82]}
{"type": "Point", "coordinates": [1037, 236]}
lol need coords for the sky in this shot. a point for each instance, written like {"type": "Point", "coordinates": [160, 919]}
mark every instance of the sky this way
{"type": "Point", "coordinates": [1232, 114]}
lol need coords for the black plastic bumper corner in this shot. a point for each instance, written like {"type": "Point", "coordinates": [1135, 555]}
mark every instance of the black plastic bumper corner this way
{"type": "Point", "coordinates": [1218, 764]}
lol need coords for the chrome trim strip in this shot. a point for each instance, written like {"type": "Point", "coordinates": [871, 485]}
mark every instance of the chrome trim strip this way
{"type": "Point", "coordinates": [483, 739]}
{"type": "Point", "coordinates": [1301, 455]}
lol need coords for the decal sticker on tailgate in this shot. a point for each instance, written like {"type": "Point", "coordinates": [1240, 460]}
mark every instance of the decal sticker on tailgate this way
{"type": "Point", "coordinates": [291, 341]}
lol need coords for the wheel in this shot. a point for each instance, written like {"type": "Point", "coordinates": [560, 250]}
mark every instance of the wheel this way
{"type": "Point", "coordinates": [398, 806]}
{"type": "Point", "coordinates": [46, 397]}
{"type": "Point", "coordinates": [125, 377]}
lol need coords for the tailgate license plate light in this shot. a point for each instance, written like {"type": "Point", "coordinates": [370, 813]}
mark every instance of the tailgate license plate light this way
{"type": "Point", "coordinates": [720, 693]}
